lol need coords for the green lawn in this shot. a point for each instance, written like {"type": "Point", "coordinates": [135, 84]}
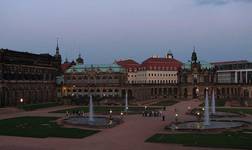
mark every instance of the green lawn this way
{"type": "Point", "coordinates": [40, 127]}
{"type": "Point", "coordinates": [224, 140]}
{"type": "Point", "coordinates": [165, 103]}
{"type": "Point", "coordinates": [236, 110]}
{"type": "Point", "coordinates": [218, 103]}
{"type": "Point", "coordinates": [29, 107]}
{"type": "Point", "coordinates": [105, 109]}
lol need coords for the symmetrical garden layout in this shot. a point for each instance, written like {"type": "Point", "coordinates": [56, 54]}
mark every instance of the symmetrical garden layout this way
{"type": "Point", "coordinates": [40, 129]}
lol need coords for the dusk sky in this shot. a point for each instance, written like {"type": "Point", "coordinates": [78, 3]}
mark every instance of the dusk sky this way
{"type": "Point", "coordinates": [105, 30]}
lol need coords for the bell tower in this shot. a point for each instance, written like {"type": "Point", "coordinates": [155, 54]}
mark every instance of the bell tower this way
{"type": "Point", "coordinates": [57, 58]}
{"type": "Point", "coordinates": [194, 56]}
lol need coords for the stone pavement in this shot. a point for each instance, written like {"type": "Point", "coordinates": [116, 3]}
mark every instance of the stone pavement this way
{"type": "Point", "coordinates": [128, 136]}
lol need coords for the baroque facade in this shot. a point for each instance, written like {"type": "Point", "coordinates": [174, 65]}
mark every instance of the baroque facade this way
{"type": "Point", "coordinates": [103, 80]}
{"type": "Point", "coordinates": [28, 76]}
{"type": "Point", "coordinates": [158, 77]}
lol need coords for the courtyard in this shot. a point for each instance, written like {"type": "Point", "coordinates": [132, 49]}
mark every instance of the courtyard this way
{"type": "Point", "coordinates": [37, 130]}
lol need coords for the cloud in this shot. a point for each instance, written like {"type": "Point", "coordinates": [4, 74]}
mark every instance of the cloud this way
{"type": "Point", "coordinates": [219, 2]}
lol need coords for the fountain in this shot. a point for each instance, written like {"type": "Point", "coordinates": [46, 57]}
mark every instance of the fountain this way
{"type": "Point", "coordinates": [206, 124]}
{"type": "Point", "coordinates": [206, 112]}
{"type": "Point", "coordinates": [91, 120]}
{"type": "Point", "coordinates": [91, 111]}
{"type": "Point", "coordinates": [213, 103]}
{"type": "Point", "coordinates": [126, 102]}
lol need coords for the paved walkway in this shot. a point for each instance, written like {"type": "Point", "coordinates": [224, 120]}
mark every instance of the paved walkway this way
{"type": "Point", "coordinates": [127, 136]}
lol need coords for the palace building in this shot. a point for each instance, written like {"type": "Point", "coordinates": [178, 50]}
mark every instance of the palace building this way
{"type": "Point", "coordinates": [159, 77]}
{"type": "Point", "coordinates": [153, 70]}
{"type": "Point", "coordinates": [28, 76]}
{"type": "Point", "coordinates": [41, 77]}
{"type": "Point", "coordinates": [102, 80]}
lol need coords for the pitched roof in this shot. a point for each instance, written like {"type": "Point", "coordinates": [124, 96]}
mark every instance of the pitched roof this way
{"type": "Point", "coordinates": [162, 62]}
{"type": "Point", "coordinates": [128, 63]}
{"type": "Point", "coordinates": [65, 66]}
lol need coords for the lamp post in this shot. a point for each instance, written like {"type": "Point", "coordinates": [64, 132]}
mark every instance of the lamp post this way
{"type": "Point", "coordinates": [121, 115]}
{"type": "Point", "coordinates": [176, 117]}
{"type": "Point", "coordinates": [189, 109]}
{"type": "Point", "coordinates": [21, 100]}
{"type": "Point", "coordinates": [197, 92]}
{"type": "Point", "coordinates": [198, 116]}
{"type": "Point", "coordinates": [110, 114]}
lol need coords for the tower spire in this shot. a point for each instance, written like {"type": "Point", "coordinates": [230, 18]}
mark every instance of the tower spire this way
{"type": "Point", "coordinates": [194, 56]}
{"type": "Point", "coordinates": [57, 47]}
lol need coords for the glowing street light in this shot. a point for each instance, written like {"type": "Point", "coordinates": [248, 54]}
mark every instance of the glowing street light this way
{"type": "Point", "coordinates": [110, 114]}
{"type": "Point", "coordinates": [21, 100]}
{"type": "Point", "coordinates": [121, 114]}
{"type": "Point", "coordinates": [176, 117]}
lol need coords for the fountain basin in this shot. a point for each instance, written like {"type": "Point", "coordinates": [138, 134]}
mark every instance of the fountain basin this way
{"type": "Point", "coordinates": [225, 114]}
{"type": "Point", "coordinates": [97, 122]}
{"type": "Point", "coordinates": [214, 125]}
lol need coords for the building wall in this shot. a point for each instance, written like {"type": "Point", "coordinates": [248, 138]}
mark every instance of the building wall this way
{"type": "Point", "coordinates": [28, 76]}
{"type": "Point", "coordinates": [95, 83]}
{"type": "Point", "coordinates": [156, 77]}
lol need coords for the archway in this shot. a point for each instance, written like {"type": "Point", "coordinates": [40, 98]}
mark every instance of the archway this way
{"type": "Point", "coordinates": [130, 93]}
{"type": "Point", "coordinates": [185, 92]}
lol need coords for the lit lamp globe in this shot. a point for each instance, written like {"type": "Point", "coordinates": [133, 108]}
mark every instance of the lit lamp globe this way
{"type": "Point", "coordinates": [21, 100]}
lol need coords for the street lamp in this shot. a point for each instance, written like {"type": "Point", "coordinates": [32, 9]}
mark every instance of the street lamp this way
{"type": "Point", "coordinates": [145, 107]}
{"type": "Point", "coordinates": [198, 116]}
{"type": "Point", "coordinates": [110, 114]}
{"type": "Point", "coordinates": [121, 114]}
{"type": "Point", "coordinates": [21, 100]}
{"type": "Point", "coordinates": [176, 118]}
{"type": "Point", "coordinates": [197, 92]}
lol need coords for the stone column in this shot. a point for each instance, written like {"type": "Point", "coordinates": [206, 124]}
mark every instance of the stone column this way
{"type": "Point", "coordinates": [235, 77]}
{"type": "Point", "coordinates": [246, 77]}
{"type": "Point", "coordinates": [241, 77]}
